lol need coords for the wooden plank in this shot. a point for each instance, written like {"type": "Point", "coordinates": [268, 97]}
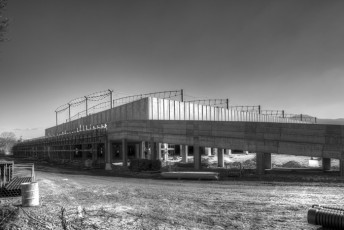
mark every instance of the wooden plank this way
{"type": "Point", "coordinates": [191, 175]}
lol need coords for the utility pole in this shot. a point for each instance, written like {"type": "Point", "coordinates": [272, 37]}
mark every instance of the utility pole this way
{"type": "Point", "coordinates": [110, 98]}
{"type": "Point", "coordinates": [86, 106]}
{"type": "Point", "coordinates": [69, 111]}
{"type": "Point", "coordinates": [182, 95]}
{"type": "Point", "coordinates": [259, 109]}
{"type": "Point", "coordinates": [227, 103]}
{"type": "Point", "coordinates": [56, 117]}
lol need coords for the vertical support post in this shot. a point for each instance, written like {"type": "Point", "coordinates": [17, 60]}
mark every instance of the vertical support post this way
{"type": "Point", "coordinates": [259, 109]}
{"type": "Point", "coordinates": [228, 151]}
{"type": "Point", "coordinates": [215, 151]}
{"type": "Point", "coordinates": [124, 152]}
{"type": "Point", "coordinates": [197, 155]}
{"type": "Point", "coordinates": [227, 103]}
{"type": "Point", "coordinates": [108, 153]}
{"type": "Point", "coordinates": [69, 111]}
{"type": "Point", "coordinates": [181, 95]}
{"type": "Point", "coordinates": [260, 163]}
{"type": "Point", "coordinates": [341, 165]}
{"type": "Point", "coordinates": [263, 161]}
{"type": "Point", "coordinates": [110, 98]}
{"type": "Point", "coordinates": [301, 116]}
{"type": "Point", "coordinates": [282, 113]}
{"type": "Point", "coordinates": [267, 161]}
{"type": "Point", "coordinates": [152, 150]}
{"type": "Point", "coordinates": [184, 151]}
{"type": "Point", "coordinates": [160, 146]}
{"type": "Point", "coordinates": [220, 157]}
{"type": "Point", "coordinates": [207, 151]}
{"type": "Point", "coordinates": [70, 152]}
{"type": "Point", "coordinates": [56, 118]}
{"type": "Point", "coordinates": [142, 150]}
{"type": "Point", "coordinates": [137, 151]}
{"type": "Point", "coordinates": [86, 106]}
{"type": "Point", "coordinates": [326, 164]}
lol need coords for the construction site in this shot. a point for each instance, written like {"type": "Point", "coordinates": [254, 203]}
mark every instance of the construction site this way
{"type": "Point", "coordinates": [157, 125]}
{"type": "Point", "coordinates": [109, 163]}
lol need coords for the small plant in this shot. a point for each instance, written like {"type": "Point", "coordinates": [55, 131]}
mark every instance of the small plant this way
{"type": "Point", "coordinates": [63, 218]}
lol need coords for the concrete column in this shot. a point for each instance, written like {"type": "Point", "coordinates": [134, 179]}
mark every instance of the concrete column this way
{"type": "Point", "coordinates": [94, 152]}
{"type": "Point", "coordinates": [84, 154]}
{"type": "Point", "coordinates": [220, 157]}
{"type": "Point", "coordinates": [165, 153]}
{"type": "Point", "coordinates": [267, 161]}
{"type": "Point", "coordinates": [49, 157]}
{"type": "Point", "coordinates": [326, 164]}
{"type": "Point", "coordinates": [152, 150]}
{"type": "Point", "coordinates": [137, 151]}
{"type": "Point", "coordinates": [263, 161]}
{"type": "Point", "coordinates": [214, 151]}
{"type": "Point", "coordinates": [207, 151]}
{"type": "Point", "coordinates": [70, 153]}
{"type": "Point", "coordinates": [124, 152]}
{"type": "Point", "coordinates": [341, 167]}
{"type": "Point", "coordinates": [142, 150]}
{"type": "Point", "coordinates": [108, 155]}
{"type": "Point", "coordinates": [228, 151]}
{"type": "Point", "coordinates": [184, 150]}
{"type": "Point", "coordinates": [197, 157]}
{"type": "Point", "coordinates": [160, 147]}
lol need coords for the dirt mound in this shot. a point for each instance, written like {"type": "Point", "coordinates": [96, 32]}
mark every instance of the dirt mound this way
{"type": "Point", "coordinates": [292, 164]}
{"type": "Point", "coordinates": [249, 164]}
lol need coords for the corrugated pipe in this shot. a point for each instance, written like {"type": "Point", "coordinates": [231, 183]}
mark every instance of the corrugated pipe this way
{"type": "Point", "coordinates": [327, 216]}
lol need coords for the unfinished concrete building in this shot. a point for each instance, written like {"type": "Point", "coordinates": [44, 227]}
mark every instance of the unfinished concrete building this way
{"type": "Point", "coordinates": [145, 126]}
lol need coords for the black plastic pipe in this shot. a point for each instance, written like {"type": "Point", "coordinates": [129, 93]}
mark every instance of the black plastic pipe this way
{"type": "Point", "coordinates": [326, 216]}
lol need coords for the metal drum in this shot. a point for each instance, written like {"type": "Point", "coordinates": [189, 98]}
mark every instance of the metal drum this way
{"type": "Point", "coordinates": [30, 194]}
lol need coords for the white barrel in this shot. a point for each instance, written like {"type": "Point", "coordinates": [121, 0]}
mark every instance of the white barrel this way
{"type": "Point", "coordinates": [30, 194]}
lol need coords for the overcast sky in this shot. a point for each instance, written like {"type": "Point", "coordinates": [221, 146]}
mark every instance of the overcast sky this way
{"type": "Point", "coordinates": [278, 54]}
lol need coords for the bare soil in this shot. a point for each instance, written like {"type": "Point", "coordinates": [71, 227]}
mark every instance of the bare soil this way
{"type": "Point", "coordinates": [96, 199]}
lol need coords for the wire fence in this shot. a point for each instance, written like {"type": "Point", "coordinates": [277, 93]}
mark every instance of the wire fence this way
{"type": "Point", "coordinates": [103, 100]}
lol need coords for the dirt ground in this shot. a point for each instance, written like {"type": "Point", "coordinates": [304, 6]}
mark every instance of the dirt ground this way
{"type": "Point", "coordinates": [95, 199]}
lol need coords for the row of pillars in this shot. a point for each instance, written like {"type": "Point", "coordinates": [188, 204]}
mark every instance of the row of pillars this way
{"type": "Point", "coordinates": [160, 151]}
{"type": "Point", "coordinates": [263, 160]}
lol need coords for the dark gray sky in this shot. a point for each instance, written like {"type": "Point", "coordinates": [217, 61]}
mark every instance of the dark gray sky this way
{"type": "Point", "coordinates": [280, 54]}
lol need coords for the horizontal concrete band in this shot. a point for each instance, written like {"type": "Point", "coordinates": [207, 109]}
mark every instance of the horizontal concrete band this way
{"type": "Point", "coordinates": [295, 139]}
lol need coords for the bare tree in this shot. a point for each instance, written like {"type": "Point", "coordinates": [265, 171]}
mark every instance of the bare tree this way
{"type": "Point", "coordinates": [3, 20]}
{"type": "Point", "coordinates": [7, 140]}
